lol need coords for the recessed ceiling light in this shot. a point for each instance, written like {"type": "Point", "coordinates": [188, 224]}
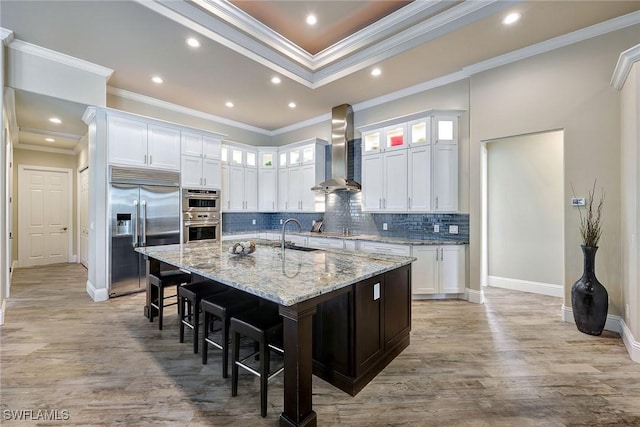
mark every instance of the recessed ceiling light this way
{"type": "Point", "coordinates": [193, 42]}
{"type": "Point", "coordinates": [511, 18]}
{"type": "Point", "coordinates": [157, 79]}
{"type": "Point", "coordinates": [292, 105]}
{"type": "Point", "coordinates": [50, 140]}
{"type": "Point", "coordinates": [55, 120]}
{"type": "Point", "coordinates": [229, 104]}
{"type": "Point", "coordinates": [311, 19]}
{"type": "Point", "coordinates": [276, 80]}
{"type": "Point", "coordinates": [376, 72]}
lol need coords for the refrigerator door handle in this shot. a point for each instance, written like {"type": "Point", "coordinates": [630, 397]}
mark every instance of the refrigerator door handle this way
{"type": "Point", "coordinates": [135, 223]}
{"type": "Point", "coordinates": [144, 223]}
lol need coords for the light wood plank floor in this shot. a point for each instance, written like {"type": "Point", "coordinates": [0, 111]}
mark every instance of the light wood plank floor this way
{"type": "Point", "coordinates": [509, 362]}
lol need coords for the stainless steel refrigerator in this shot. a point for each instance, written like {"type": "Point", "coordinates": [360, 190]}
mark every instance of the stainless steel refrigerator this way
{"type": "Point", "coordinates": [145, 211]}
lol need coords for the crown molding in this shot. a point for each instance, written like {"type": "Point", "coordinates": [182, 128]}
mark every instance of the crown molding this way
{"type": "Point", "coordinates": [61, 58]}
{"type": "Point", "coordinates": [183, 110]}
{"type": "Point", "coordinates": [231, 27]}
{"type": "Point", "coordinates": [6, 36]}
{"type": "Point", "coordinates": [36, 131]}
{"type": "Point", "coordinates": [624, 65]}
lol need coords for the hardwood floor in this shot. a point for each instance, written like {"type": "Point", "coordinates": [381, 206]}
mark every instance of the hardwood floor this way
{"type": "Point", "coordinates": [509, 362]}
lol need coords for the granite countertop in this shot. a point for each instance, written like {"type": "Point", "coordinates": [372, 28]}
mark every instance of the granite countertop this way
{"type": "Point", "coordinates": [362, 237]}
{"type": "Point", "coordinates": [297, 277]}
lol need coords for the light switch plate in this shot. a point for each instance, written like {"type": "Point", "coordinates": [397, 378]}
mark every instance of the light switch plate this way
{"type": "Point", "coordinates": [436, 228]}
{"type": "Point", "coordinates": [453, 229]}
{"type": "Point", "coordinates": [253, 222]}
{"type": "Point", "coordinates": [281, 221]}
{"type": "Point", "coordinates": [384, 226]}
{"type": "Point", "coordinates": [376, 291]}
{"type": "Point", "coordinates": [577, 201]}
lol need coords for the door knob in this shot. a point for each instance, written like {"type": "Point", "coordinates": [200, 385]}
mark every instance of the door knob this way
{"type": "Point", "coordinates": [63, 229]}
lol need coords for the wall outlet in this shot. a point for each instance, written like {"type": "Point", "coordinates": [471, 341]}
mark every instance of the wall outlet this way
{"type": "Point", "coordinates": [436, 228]}
{"type": "Point", "coordinates": [453, 229]}
{"type": "Point", "coordinates": [281, 221]}
{"type": "Point", "coordinates": [313, 222]}
{"type": "Point", "coordinates": [253, 221]}
{"type": "Point", "coordinates": [384, 226]}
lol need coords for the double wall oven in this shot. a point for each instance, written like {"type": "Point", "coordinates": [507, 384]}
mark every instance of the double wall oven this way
{"type": "Point", "coordinates": [200, 215]}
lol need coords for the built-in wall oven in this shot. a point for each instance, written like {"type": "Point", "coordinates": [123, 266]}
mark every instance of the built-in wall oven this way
{"type": "Point", "coordinates": [200, 215]}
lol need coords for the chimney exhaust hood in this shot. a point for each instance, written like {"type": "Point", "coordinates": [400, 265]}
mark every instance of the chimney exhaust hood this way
{"type": "Point", "coordinates": [341, 134]}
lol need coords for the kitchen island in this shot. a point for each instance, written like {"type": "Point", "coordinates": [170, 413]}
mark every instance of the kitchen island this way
{"type": "Point", "coordinates": [346, 315]}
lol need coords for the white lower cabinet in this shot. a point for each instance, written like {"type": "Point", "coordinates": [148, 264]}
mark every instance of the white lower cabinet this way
{"type": "Point", "coordinates": [325, 243]}
{"type": "Point", "coordinates": [438, 269]}
{"type": "Point", "coordinates": [384, 248]}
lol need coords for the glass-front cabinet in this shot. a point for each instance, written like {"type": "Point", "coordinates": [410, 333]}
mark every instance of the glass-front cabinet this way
{"type": "Point", "coordinates": [371, 142]}
{"type": "Point", "coordinates": [420, 131]}
{"type": "Point", "coordinates": [395, 137]}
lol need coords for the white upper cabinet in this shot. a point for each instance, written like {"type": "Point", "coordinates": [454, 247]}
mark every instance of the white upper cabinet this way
{"type": "Point", "coordinates": [301, 166]}
{"type": "Point", "coordinates": [267, 179]}
{"type": "Point", "coordinates": [135, 142]}
{"type": "Point", "coordinates": [410, 163]}
{"type": "Point", "coordinates": [201, 166]}
{"type": "Point", "coordinates": [239, 178]}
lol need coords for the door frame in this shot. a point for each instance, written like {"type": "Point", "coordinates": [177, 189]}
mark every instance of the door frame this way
{"type": "Point", "coordinates": [78, 213]}
{"type": "Point", "coordinates": [69, 172]}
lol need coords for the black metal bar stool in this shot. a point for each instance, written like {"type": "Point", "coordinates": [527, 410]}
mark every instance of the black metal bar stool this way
{"type": "Point", "coordinates": [264, 326]}
{"type": "Point", "coordinates": [189, 297]}
{"type": "Point", "coordinates": [220, 307]}
{"type": "Point", "coordinates": [165, 279]}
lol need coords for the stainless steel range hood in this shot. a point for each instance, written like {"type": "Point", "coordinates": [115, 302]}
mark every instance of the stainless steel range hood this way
{"type": "Point", "coordinates": [341, 134]}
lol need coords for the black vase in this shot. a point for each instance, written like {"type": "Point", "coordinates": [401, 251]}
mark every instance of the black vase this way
{"type": "Point", "coordinates": [589, 298]}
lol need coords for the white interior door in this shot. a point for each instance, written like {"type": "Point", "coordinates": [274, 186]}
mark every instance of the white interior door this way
{"type": "Point", "coordinates": [84, 217]}
{"type": "Point", "coordinates": [44, 208]}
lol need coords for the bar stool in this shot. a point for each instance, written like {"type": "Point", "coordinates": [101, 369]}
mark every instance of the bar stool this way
{"type": "Point", "coordinates": [264, 326]}
{"type": "Point", "coordinates": [221, 307]}
{"type": "Point", "coordinates": [189, 297]}
{"type": "Point", "coordinates": [163, 280]}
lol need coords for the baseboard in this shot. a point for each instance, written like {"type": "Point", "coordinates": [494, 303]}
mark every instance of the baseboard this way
{"type": "Point", "coordinates": [633, 346]}
{"type": "Point", "coordinates": [614, 324]}
{"type": "Point", "coordinates": [74, 258]}
{"type": "Point", "coordinates": [526, 286]}
{"type": "Point", "coordinates": [3, 309]}
{"type": "Point", "coordinates": [475, 296]}
{"type": "Point", "coordinates": [97, 295]}
{"type": "Point", "coordinates": [419, 297]}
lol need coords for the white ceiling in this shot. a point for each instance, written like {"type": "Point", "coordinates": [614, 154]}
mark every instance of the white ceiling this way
{"type": "Point", "coordinates": [420, 42]}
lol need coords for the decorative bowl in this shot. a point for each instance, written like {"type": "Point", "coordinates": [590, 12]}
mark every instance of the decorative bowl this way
{"type": "Point", "coordinates": [242, 248]}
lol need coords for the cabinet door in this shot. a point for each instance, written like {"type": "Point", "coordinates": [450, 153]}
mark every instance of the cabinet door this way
{"type": "Point", "coordinates": [283, 189]}
{"type": "Point", "coordinates": [225, 202]}
{"type": "Point", "coordinates": [127, 141]}
{"type": "Point", "coordinates": [419, 185]}
{"type": "Point", "coordinates": [424, 271]}
{"type": "Point", "coordinates": [251, 189]}
{"type": "Point", "coordinates": [191, 144]}
{"type": "Point", "coordinates": [372, 181]}
{"type": "Point", "coordinates": [295, 188]}
{"type": "Point", "coordinates": [397, 306]}
{"type": "Point", "coordinates": [445, 178]}
{"type": "Point", "coordinates": [211, 147]}
{"type": "Point", "coordinates": [267, 189]}
{"type": "Point", "coordinates": [369, 344]}
{"type": "Point", "coordinates": [163, 147]}
{"type": "Point", "coordinates": [191, 172]}
{"type": "Point", "coordinates": [452, 269]}
{"type": "Point", "coordinates": [395, 181]}
{"type": "Point", "coordinates": [236, 188]}
{"type": "Point", "coordinates": [211, 174]}
{"type": "Point", "coordinates": [307, 196]}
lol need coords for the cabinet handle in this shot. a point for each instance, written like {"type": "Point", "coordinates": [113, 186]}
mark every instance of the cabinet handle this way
{"type": "Point", "coordinates": [384, 202]}
{"type": "Point", "coordinates": [145, 159]}
{"type": "Point", "coordinates": [150, 159]}
{"type": "Point", "coordinates": [228, 204]}
{"type": "Point", "coordinates": [200, 180]}
{"type": "Point", "coordinates": [380, 203]}
{"type": "Point", "coordinates": [205, 181]}
{"type": "Point", "coordinates": [273, 205]}
{"type": "Point", "coordinates": [409, 202]}
{"type": "Point", "coordinates": [300, 204]}
{"type": "Point", "coordinates": [436, 202]}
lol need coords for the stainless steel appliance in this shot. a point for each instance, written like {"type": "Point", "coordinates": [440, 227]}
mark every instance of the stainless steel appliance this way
{"type": "Point", "coordinates": [200, 200]}
{"type": "Point", "coordinates": [200, 215]}
{"type": "Point", "coordinates": [145, 211]}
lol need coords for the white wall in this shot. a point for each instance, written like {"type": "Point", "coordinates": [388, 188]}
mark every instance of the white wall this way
{"type": "Point", "coordinates": [564, 89]}
{"type": "Point", "coordinates": [630, 189]}
{"type": "Point", "coordinates": [525, 213]}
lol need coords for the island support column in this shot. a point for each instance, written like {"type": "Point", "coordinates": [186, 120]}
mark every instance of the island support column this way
{"type": "Point", "coordinates": [298, 365]}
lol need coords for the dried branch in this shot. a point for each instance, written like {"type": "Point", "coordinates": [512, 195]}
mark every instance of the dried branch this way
{"type": "Point", "coordinates": [590, 221]}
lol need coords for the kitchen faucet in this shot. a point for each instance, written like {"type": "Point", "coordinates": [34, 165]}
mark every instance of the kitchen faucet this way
{"type": "Point", "coordinates": [284, 225]}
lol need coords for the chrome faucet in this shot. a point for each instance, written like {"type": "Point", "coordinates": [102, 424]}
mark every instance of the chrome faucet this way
{"type": "Point", "coordinates": [284, 225]}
